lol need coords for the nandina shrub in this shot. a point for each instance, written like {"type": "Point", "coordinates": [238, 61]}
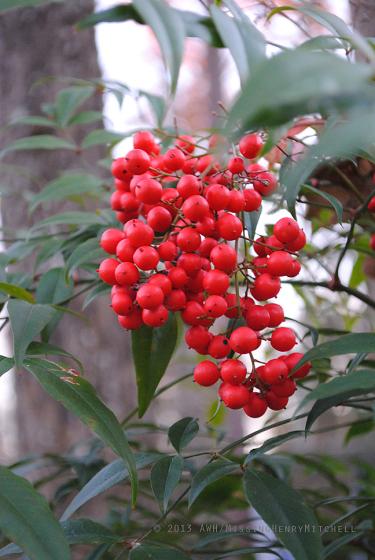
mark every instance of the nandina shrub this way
{"type": "Point", "coordinates": [177, 250]}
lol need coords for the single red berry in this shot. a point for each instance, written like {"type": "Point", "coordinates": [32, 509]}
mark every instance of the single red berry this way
{"type": "Point", "coordinates": [144, 140]}
{"type": "Point", "coordinates": [206, 373]}
{"type": "Point", "coordinates": [295, 269]}
{"type": "Point", "coordinates": [176, 300]}
{"type": "Point", "coordinates": [195, 208]}
{"type": "Point", "coordinates": [276, 314]}
{"type": "Point", "coordinates": [286, 230]}
{"type": "Point", "coordinates": [274, 402]}
{"type": "Point", "coordinates": [229, 226]}
{"type": "Point", "coordinates": [149, 296]}
{"type": "Point", "coordinates": [280, 263]}
{"type": "Point", "coordinates": [215, 306]}
{"type": "Point", "coordinates": [125, 251]}
{"type": "Point", "coordinates": [138, 161]}
{"type": "Point", "coordinates": [253, 200]}
{"type": "Point", "coordinates": [126, 274]}
{"type": "Point", "coordinates": [216, 282]}
{"type": "Point", "coordinates": [133, 320]}
{"type": "Point", "coordinates": [219, 347]}
{"type": "Point", "coordinates": [178, 277]}
{"type": "Point", "coordinates": [236, 202]}
{"type": "Point", "coordinates": [217, 196]}
{"type": "Point", "coordinates": [107, 270]}
{"type": "Point", "coordinates": [155, 317]}
{"type": "Point", "coordinates": [371, 205]}
{"type": "Point", "coordinates": [173, 159]}
{"type": "Point", "coordinates": [188, 185]}
{"type": "Point", "coordinates": [190, 262]}
{"type": "Point", "coordinates": [110, 239]}
{"type": "Point", "coordinates": [167, 251]}
{"type": "Point", "coordinates": [186, 143]}
{"type": "Point", "coordinates": [148, 191]}
{"type": "Point", "coordinates": [236, 165]}
{"type": "Point", "coordinates": [256, 406]}
{"type": "Point", "coordinates": [274, 371]}
{"type": "Point", "coordinates": [159, 219]}
{"type": "Point", "coordinates": [224, 257]}
{"type": "Point", "coordinates": [198, 338]}
{"type": "Point", "coordinates": [146, 258]}
{"type": "Point", "coordinates": [243, 340]}
{"type": "Point", "coordinates": [283, 339]}
{"type": "Point", "coordinates": [192, 313]}
{"type": "Point", "coordinates": [120, 169]}
{"type": "Point", "coordinates": [292, 360]}
{"type": "Point", "coordinates": [129, 203]}
{"type": "Point", "coordinates": [206, 246]}
{"type": "Point", "coordinates": [251, 145]}
{"type": "Point", "coordinates": [115, 200]}
{"type": "Point", "coordinates": [188, 240]}
{"type": "Point", "coordinates": [122, 304]}
{"type": "Point", "coordinates": [234, 396]}
{"type": "Point", "coordinates": [265, 183]}
{"type": "Point", "coordinates": [298, 243]}
{"type": "Point", "coordinates": [232, 311]}
{"type": "Point", "coordinates": [138, 233]}
{"type": "Point", "coordinates": [257, 317]}
{"type": "Point", "coordinates": [265, 287]}
{"type": "Point", "coordinates": [285, 389]}
{"type": "Point", "coordinates": [233, 372]}
{"type": "Point", "coordinates": [162, 281]}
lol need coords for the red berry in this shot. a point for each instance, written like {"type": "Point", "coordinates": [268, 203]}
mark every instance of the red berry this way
{"type": "Point", "coordinates": [215, 306]}
{"type": "Point", "coordinates": [195, 208]}
{"type": "Point", "coordinates": [274, 371]}
{"type": "Point", "coordinates": [178, 277]}
{"type": "Point", "coordinates": [188, 185]}
{"type": "Point", "coordinates": [236, 165]}
{"type": "Point", "coordinates": [280, 263]}
{"type": "Point", "coordinates": [144, 140]}
{"type": "Point", "coordinates": [122, 304]}
{"type": "Point", "coordinates": [173, 159]}
{"type": "Point", "coordinates": [186, 143]}
{"type": "Point", "coordinates": [286, 230]}
{"type": "Point", "coordinates": [236, 202]}
{"type": "Point", "coordinates": [217, 196]}
{"type": "Point", "coordinates": [219, 347]}
{"type": "Point", "coordinates": [129, 203]}
{"type": "Point", "coordinates": [146, 258]}
{"type": "Point", "coordinates": [206, 373]}
{"type": "Point", "coordinates": [283, 339]}
{"type": "Point", "coordinates": [276, 314]}
{"type": "Point", "coordinates": [206, 246]}
{"type": "Point", "coordinates": [110, 239]}
{"type": "Point", "coordinates": [257, 317]}
{"type": "Point", "coordinates": [162, 281]}
{"type": "Point", "coordinates": [216, 282]}
{"type": "Point", "coordinates": [265, 287]}
{"type": "Point", "coordinates": [256, 406]}
{"type": "Point", "coordinates": [224, 257]}
{"type": "Point", "coordinates": [120, 169]}
{"type": "Point", "coordinates": [107, 269]}
{"type": "Point", "coordinates": [285, 389]}
{"type": "Point", "coordinates": [125, 251]}
{"type": "Point", "coordinates": [292, 360]}
{"type": "Point", "coordinates": [275, 402]}
{"type": "Point", "coordinates": [188, 240]}
{"type": "Point", "coordinates": [251, 145]}
{"type": "Point", "coordinates": [371, 205]}
{"type": "Point", "coordinates": [155, 317]}
{"type": "Point", "coordinates": [167, 251]}
{"type": "Point", "coordinates": [243, 340]}
{"type": "Point", "coordinates": [253, 200]}
{"type": "Point", "coordinates": [149, 296]}
{"type": "Point", "coordinates": [176, 300]}
{"type": "Point", "coordinates": [229, 226]}
{"type": "Point", "coordinates": [148, 191]}
{"type": "Point", "coordinates": [198, 338]}
{"type": "Point", "coordinates": [298, 243]}
{"type": "Point", "coordinates": [126, 274]}
{"type": "Point", "coordinates": [232, 310]}
{"type": "Point", "coordinates": [133, 320]}
{"type": "Point", "coordinates": [138, 233]}
{"type": "Point", "coordinates": [234, 396]}
{"type": "Point", "coordinates": [265, 183]}
{"type": "Point", "coordinates": [190, 262]}
{"type": "Point", "coordinates": [138, 161]}
{"type": "Point", "coordinates": [233, 372]}
{"type": "Point", "coordinates": [192, 313]}
{"type": "Point", "coordinates": [115, 200]}
{"type": "Point", "coordinates": [159, 219]}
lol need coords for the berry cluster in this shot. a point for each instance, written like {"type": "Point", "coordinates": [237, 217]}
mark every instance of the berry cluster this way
{"type": "Point", "coordinates": [183, 247]}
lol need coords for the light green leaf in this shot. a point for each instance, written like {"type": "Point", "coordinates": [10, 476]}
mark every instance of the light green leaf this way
{"type": "Point", "coordinates": [80, 398]}
{"type": "Point", "coordinates": [335, 203]}
{"type": "Point", "coordinates": [281, 507]}
{"type": "Point", "coordinates": [86, 117]}
{"type": "Point", "coordinates": [272, 443]}
{"type": "Point", "coordinates": [31, 120]}
{"type": "Point", "coordinates": [98, 291]}
{"type": "Point", "coordinates": [251, 221]}
{"type": "Point", "coordinates": [152, 351]}
{"type": "Point", "coordinates": [26, 519]}
{"type": "Point", "coordinates": [68, 101]}
{"type": "Point", "coordinates": [106, 478]}
{"type": "Point", "coordinates": [27, 321]}
{"type": "Point", "coordinates": [87, 252]}
{"type": "Point", "coordinates": [54, 287]}
{"type": "Point", "coordinates": [86, 531]}
{"type": "Point", "coordinates": [339, 82]}
{"type": "Point", "coordinates": [69, 184]}
{"type": "Point", "coordinates": [169, 31]}
{"type": "Point", "coordinates": [16, 292]}
{"type": "Point", "coordinates": [39, 142]}
{"type": "Point", "coordinates": [165, 476]}
{"type": "Point", "coordinates": [102, 137]}
{"type": "Point", "coordinates": [183, 432]}
{"type": "Point", "coordinates": [73, 218]}
{"type": "Point", "coordinates": [208, 474]}
{"type": "Point", "coordinates": [358, 274]}
{"type": "Point", "coordinates": [359, 429]}
{"type": "Point", "coordinates": [151, 552]}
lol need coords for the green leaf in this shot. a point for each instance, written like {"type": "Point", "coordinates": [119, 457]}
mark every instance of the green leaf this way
{"type": "Point", "coordinates": [13, 4]}
{"type": "Point", "coordinates": [324, 42]}
{"type": "Point", "coordinates": [361, 381]}
{"type": "Point", "coordinates": [169, 31]}
{"type": "Point", "coordinates": [46, 349]}
{"type": "Point", "coordinates": [208, 474]}
{"type": "Point", "coordinates": [358, 275]}
{"type": "Point", "coordinates": [33, 120]}
{"type": "Point", "coordinates": [86, 531]}
{"type": "Point", "coordinates": [26, 321]}
{"type": "Point", "coordinates": [86, 117]}
{"type": "Point", "coordinates": [339, 141]}
{"type": "Point", "coordinates": [102, 137]}
{"type": "Point", "coordinates": [152, 351]}
{"type": "Point", "coordinates": [98, 291]}
{"type": "Point", "coordinates": [73, 218]}
{"type": "Point", "coordinates": [87, 252]}
{"type": "Point", "coordinates": [69, 184]}
{"type": "Point", "coordinates": [68, 101]}
{"type": "Point", "coordinates": [258, 106]}
{"type": "Point", "coordinates": [165, 476]}
{"type": "Point", "coordinates": [183, 432]}
{"type": "Point", "coordinates": [153, 552]}
{"type": "Point", "coordinates": [26, 519]}
{"type": "Point", "coordinates": [106, 478]}
{"type": "Point", "coordinates": [80, 398]}
{"type": "Point", "coordinates": [158, 105]}
{"type": "Point", "coordinates": [322, 405]}
{"type": "Point", "coordinates": [112, 15]}
{"type": "Point", "coordinates": [16, 292]}
{"type": "Point", "coordinates": [5, 364]}
{"type": "Point", "coordinates": [346, 344]}
{"type": "Point", "coordinates": [39, 142]}
{"type": "Point", "coordinates": [359, 429]}
{"type": "Point", "coordinates": [251, 221]}
{"type": "Point", "coordinates": [272, 443]}
{"type": "Point", "coordinates": [281, 507]}
{"type": "Point", "coordinates": [342, 541]}
{"type": "Point", "coordinates": [54, 287]}
{"type": "Point", "coordinates": [335, 203]}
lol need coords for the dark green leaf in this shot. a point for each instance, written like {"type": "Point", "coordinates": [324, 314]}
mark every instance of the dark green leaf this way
{"type": "Point", "coordinates": [258, 106]}
{"type": "Point", "coordinates": [282, 508]}
{"type": "Point", "coordinates": [73, 218]}
{"type": "Point", "coordinates": [39, 142]}
{"type": "Point", "coordinates": [335, 203]}
{"type": "Point", "coordinates": [87, 252]}
{"type": "Point", "coordinates": [27, 321]}
{"type": "Point", "coordinates": [342, 541]}
{"type": "Point", "coordinates": [26, 519]}
{"type": "Point", "coordinates": [169, 31]}
{"type": "Point", "coordinates": [361, 381]}
{"type": "Point", "coordinates": [272, 443]}
{"type": "Point", "coordinates": [5, 364]}
{"type": "Point", "coordinates": [359, 429]}
{"type": "Point", "coordinates": [324, 404]}
{"type": "Point", "coordinates": [98, 291]}
{"type": "Point", "coordinates": [152, 351]}
{"type": "Point", "coordinates": [30, 120]}
{"type": "Point", "coordinates": [45, 349]}
{"type": "Point", "coordinates": [102, 137]}
{"type": "Point", "coordinates": [358, 274]}
{"type": "Point", "coordinates": [79, 397]}
{"type": "Point", "coordinates": [165, 476]}
{"type": "Point", "coordinates": [151, 552]}
{"type": "Point", "coordinates": [54, 287]}
{"type": "Point", "coordinates": [106, 478]}
{"type": "Point", "coordinates": [86, 117]}
{"type": "Point", "coordinates": [183, 432]}
{"type": "Point", "coordinates": [17, 292]}
{"type": "Point", "coordinates": [208, 474]}
{"type": "Point", "coordinates": [85, 531]}
{"type": "Point", "coordinates": [251, 222]}
{"type": "Point", "coordinates": [112, 15]}
{"type": "Point", "coordinates": [68, 101]}
{"type": "Point", "coordinates": [67, 185]}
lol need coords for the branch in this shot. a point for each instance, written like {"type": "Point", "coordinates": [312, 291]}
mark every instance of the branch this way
{"type": "Point", "coordinates": [335, 286]}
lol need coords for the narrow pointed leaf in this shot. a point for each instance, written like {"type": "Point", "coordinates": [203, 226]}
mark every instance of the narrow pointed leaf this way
{"type": "Point", "coordinates": [39, 142]}
{"type": "Point", "coordinates": [67, 185]}
{"type": "Point", "coordinates": [183, 432]}
{"type": "Point", "coordinates": [165, 476]}
{"type": "Point", "coordinates": [17, 292]}
{"type": "Point", "coordinates": [208, 474]}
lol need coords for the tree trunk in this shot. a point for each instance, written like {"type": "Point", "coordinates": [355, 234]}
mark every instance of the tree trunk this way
{"type": "Point", "coordinates": [36, 43]}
